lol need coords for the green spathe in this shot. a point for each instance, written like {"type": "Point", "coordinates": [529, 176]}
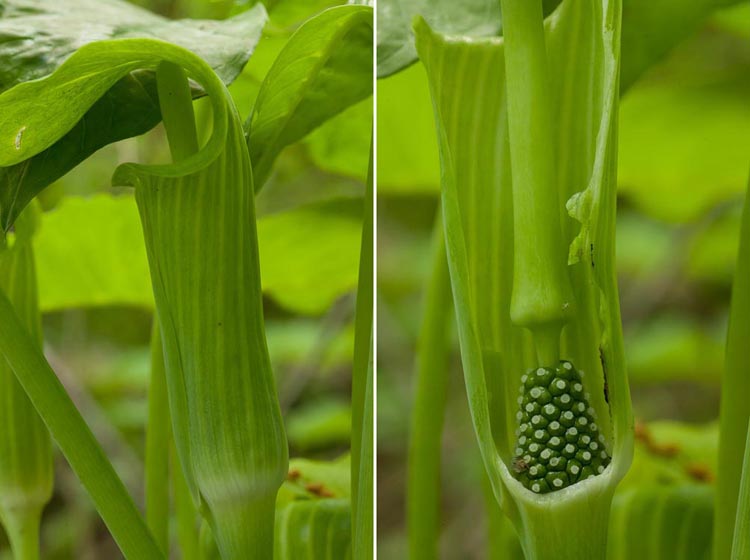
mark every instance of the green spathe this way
{"type": "Point", "coordinates": [468, 82]}
{"type": "Point", "coordinates": [198, 220]}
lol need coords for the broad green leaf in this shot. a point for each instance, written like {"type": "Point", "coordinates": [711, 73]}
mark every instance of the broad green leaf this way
{"type": "Point", "coordinates": [407, 146]}
{"type": "Point", "coordinates": [324, 68]}
{"type": "Point", "coordinates": [319, 425]}
{"type": "Point", "coordinates": [477, 210]}
{"type": "Point", "coordinates": [696, 157]}
{"type": "Point", "coordinates": [102, 264]}
{"type": "Point", "coordinates": [396, 50]}
{"type": "Point", "coordinates": [341, 145]}
{"type": "Point", "coordinates": [37, 37]}
{"type": "Point", "coordinates": [656, 522]}
{"type": "Point", "coordinates": [309, 255]}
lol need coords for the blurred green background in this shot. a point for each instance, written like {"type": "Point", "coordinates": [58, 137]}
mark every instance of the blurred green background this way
{"type": "Point", "coordinates": [683, 171]}
{"type": "Point", "coordinates": [95, 289]}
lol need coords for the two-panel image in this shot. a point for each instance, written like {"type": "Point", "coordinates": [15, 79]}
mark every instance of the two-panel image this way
{"type": "Point", "coordinates": [374, 279]}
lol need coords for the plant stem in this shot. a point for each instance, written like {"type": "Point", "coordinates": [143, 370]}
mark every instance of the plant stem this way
{"type": "Point", "coordinates": [741, 544]}
{"type": "Point", "coordinates": [541, 287]}
{"type": "Point", "coordinates": [157, 445]}
{"type": "Point", "coordinates": [428, 412]}
{"type": "Point", "coordinates": [735, 405]}
{"type": "Point", "coordinates": [74, 437]}
{"type": "Point", "coordinates": [362, 409]}
{"type": "Point", "coordinates": [176, 104]}
{"type": "Point", "coordinates": [23, 533]}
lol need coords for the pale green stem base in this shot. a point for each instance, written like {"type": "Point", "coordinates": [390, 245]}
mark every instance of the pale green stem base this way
{"type": "Point", "coordinates": [22, 528]}
{"type": "Point", "coordinates": [245, 529]}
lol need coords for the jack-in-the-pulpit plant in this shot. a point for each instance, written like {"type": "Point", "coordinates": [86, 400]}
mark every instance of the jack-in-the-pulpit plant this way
{"type": "Point", "coordinates": [527, 128]}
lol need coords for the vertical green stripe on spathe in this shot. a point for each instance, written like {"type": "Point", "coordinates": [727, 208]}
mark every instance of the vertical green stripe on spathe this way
{"type": "Point", "coordinates": [25, 446]}
{"type": "Point", "coordinates": [198, 220]}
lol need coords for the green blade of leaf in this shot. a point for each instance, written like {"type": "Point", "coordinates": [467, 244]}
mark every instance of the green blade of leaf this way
{"type": "Point", "coordinates": [735, 406]}
{"type": "Point", "coordinates": [37, 37]}
{"type": "Point", "coordinates": [324, 68]}
{"type": "Point", "coordinates": [362, 387]}
{"type": "Point", "coordinates": [741, 543]}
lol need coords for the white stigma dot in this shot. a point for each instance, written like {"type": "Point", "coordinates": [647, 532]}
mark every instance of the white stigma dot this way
{"type": "Point", "coordinates": [534, 447]}
{"type": "Point", "coordinates": [536, 487]}
{"type": "Point", "coordinates": [519, 400]}
{"type": "Point", "coordinates": [572, 431]}
{"type": "Point", "coordinates": [585, 439]}
{"type": "Point", "coordinates": [603, 454]}
{"type": "Point", "coordinates": [593, 446]}
{"type": "Point", "coordinates": [527, 458]}
{"type": "Point", "coordinates": [569, 448]}
{"type": "Point", "coordinates": [529, 407]}
{"type": "Point", "coordinates": [586, 456]}
{"type": "Point", "coordinates": [519, 450]}
{"type": "Point", "coordinates": [536, 419]}
{"type": "Point", "coordinates": [539, 434]}
{"type": "Point", "coordinates": [593, 427]}
{"type": "Point", "coordinates": [535, 392]}
{"type": "Point", "coordinates": [546, 454]}
{"type": "Point", "coordinates": [554, 425]}
{"type": "Point", "coordinates": [581, 407]}
{"type": "Point", "coordinates": [533, 470]}
{"type": "Point", "coordinates": [554, 440]}
{"type": "Point", "coordinates": [601, 438]}
{"type": "Point", "coordinates": [591, 411]}
{"type": "Point", "coordinates": [557, 482]}
{"type": "Point", "coordinates": [577, 387]}
{"type": "Point", "coordinates": [524, 377]}
{"type": "Point", "coordinates": [565, 399]}
{"type": "Point", "coordinates": [554, 461]}
{"type": "Point", "coordinates": [560, 384]}
{"type": "Point", "coordinates": [567, 366]}
{"type": "Point", "coordinates": [549, 408]}
{"type": "Point", "coordinates": [568, 415]}
{"type": "Point", "coordinates": [600, 469]}
{"type": "Point", "coordinates": [522, 440]}
{"type": "Point", "coordinates": [574, 469]}
{"type": "Point", "coordinates": [583, 420]}
{"type": "Point", "coordinates": [540, 372]}
{"type": "Point", "coordinates": [519, 415]}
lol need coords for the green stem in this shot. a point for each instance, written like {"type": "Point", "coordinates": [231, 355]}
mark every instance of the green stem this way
{"type": "Point", "coordinates": [75, 439]}
{"type": "Point", "coordinates": [735, 405]}
{"type": "Point", "coordinates": [741, 545]}
{"type": "Point", "coordinates": [23, 532]}
{"type": "Point", "coordinates": [362, 410]}
{"type": "Point", "coordinates": [244, 528]}
{"type": "Point", "coordinates": [423, 488]}
{"type": "Point", "coordinates": [176, 104]}
{"type": "Point", "coordinates": [542, 294]}
{"type": "Point", "coordinates": [157, 445]}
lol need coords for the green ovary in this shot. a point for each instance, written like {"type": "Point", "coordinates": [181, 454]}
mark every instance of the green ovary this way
{"type": "Point", "coordinates": [558, 442]}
